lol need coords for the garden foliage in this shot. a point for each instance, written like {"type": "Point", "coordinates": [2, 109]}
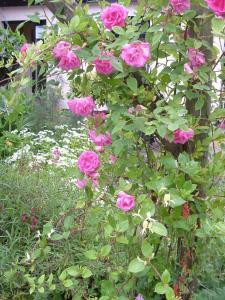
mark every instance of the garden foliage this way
{"type": "Point", "coordinates": [151, 195]}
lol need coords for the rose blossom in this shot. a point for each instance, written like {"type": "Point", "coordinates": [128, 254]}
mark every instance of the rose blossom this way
{"type": "Point", "coordinates": [112, 159]}
{"type": "Point", "coordinates": [103, 139]}
{"type": "Point", "coordinates": [125, 202]}
{"type": "Point", "coordinates": [139, 297]}
{"type": "Point", "coordinates": [136, 54]}
{"type": "Point", "coordinates": [24, 48]}
{"type": "Point", "coordinates": [196, 58]}
{"type": "Point", "coordinates": [88, 163]}
{"type": "Point", "coordinates": [81, 106]}
{"type": "Point", "coordinates": [81, 183]}
{"type": "Point", "coordinates": [188, 69]}
{"type": "Point", "coordinates": [61, 49]}
{"type": "Point", "coordinates": [100, 149]}
{"type": "Point", "coordinates": [99, 118]}
{"type": "Point", "coordinates": [218, 6]}
{"type": "Point", "coordinates": [114, 15]}
{"type": "Point", "coordinates": [180, 6]}
{"type": "Point", "coordinates": [222, 124]}
{"type": "Point", "coordinates": [69, 61]}
{"type": "Point", "coordinates": [181, 137]}
{"type": "Point", "coordinates": [104, 66]}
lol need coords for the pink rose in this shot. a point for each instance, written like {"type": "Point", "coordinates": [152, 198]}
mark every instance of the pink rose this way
{"type": "Point", "coordinates": [99, 118]}
{"type": "Point", "coordinates": [61, 49]}
{"type": "Point", "coordinates": [114, 15]}
{"type": "Point", "coordinates": [222, 124]}
{"type": "Point", "coordinates": [81, 106]}
{"type": "Point", "coordinates": [103, 139]}
{"type": "Point", "coordinates": [112, 159]}
{"type": "Point", "coordinates": [139, 297]}
{"type": "Point", "coordinates": [218, 6]}
{"type": "Point", "coordinates": [81, 183]}
{"type": "Point", "coordinates": [181, 137]}
{"type": "Point", "coordinates": [196, 58]}
{"type": "Point", "coordinates": [100, 149]}
{"type": "Point", "coordinates": [136, 54]}
{"type": "Point", "coordinates": [24, 48]}
{"type": "Point", "coordinates": [95, 182]}
{"type": "Point", "coordinates": [104, 66]}
{"type": "Point", "coordinates": [180, 6]}
{"type": "Point", "coordinates": [69, 61]}
{"type": "Point", "coordinates": [88, 163]}
{"type": "Point", "coordinates": [188, 69]}
{"type": "Point", "coordinates": [125, 202]}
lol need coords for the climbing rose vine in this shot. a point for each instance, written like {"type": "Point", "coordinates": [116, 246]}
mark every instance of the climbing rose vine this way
{"type": "Point", "coordinates": [143, 80]}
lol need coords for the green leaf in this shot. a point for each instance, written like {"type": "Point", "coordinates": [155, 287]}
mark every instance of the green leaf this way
{"type": "Point", "coordinates": [119, 126]}
{"type": "Point", "coordinates": [217, 25]}
{"type": "Point", "coordinates": [117, 64]}
{"type": "Point", "coordinates": [160, 288]}
{"type": "Point", "coordinates": [146, 249]}
{"type": "Point", "coordinates": [122, 240]}
{"type": "Point", "coordinates": [132, 83]}
{"type": "Point", "coordinates": [165, 277]}
{"type": "Point", "coordinates": [105, 250]}
{"type": "Point", "coordinates": [91, 254]}
{"type": "Point", "coordinates": [176, 200]}
{"type": "Point", "coordinates": [41, 279]}
{"type": "Point", "coordinates": [86, 273]}
{"type": "Point", "coordinates": [56, 237]}
{"type": "Point", "coordinates": [170, 294]}
{"type": "Point", "coordinates": [63, 276]}
{"type": "Point", "coordinates": [74, 23]}
{"type": "Point", "coordinates": [41, 290]}
{"type": "Point", "coordinates": [68, 222]}
{"type": "Point", "coordinates": [122, 226]}
{"type": "Point", "coordinates": [159, 228]}
{"type": "Point", "coordinates": [136, 266]}
{"type": "Point", "coordinates": [73, 271]}
{"type": "Point", "coordinates": [68, 283]}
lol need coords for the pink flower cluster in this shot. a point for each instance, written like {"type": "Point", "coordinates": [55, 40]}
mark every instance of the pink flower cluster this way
{"type": "Point", "coordinates": [81, 106]}
{"type": "Point", "coordinates": [24, 48]}
{"type": "Point", "coordinates": [139, 297]}
{"type": "Point", "coordinates": [218, 6]}
{"type": "Point", "coordinates": [196, 59]}
{"type": "Point", "coordinates": [89, 162]}
{"type": "Point", "coordinates": [136, 54]}
{"type": "Point", "coordinates": [114, 15]}
{"type": "Point", "coordinates": [103, 65]}
{"type": "Point", "coordinates": [125, 202]}
{"type": "Point", "coordinates": [100, 140]}
{"type": "Point", "coordinates": [180, 6]}
{"type": "Point", "coordinates": [182, 137]}
{"type": "Point", "coordinates": [68, 60]}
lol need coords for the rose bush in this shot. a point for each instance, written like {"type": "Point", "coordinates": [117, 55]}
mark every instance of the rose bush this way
{"type": "Point", "coordinates": [151, 195]}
